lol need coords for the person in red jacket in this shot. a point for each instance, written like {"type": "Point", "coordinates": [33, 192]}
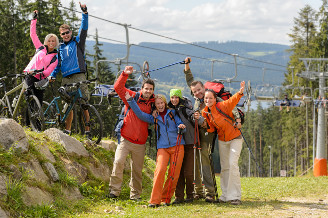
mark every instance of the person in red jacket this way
{"type": "Point", "coordinates": [134, 133]}
{"type": "Point", "coordinates": [219, 117]}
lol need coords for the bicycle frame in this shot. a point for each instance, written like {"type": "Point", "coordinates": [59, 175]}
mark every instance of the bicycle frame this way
{"type": "Point", "coordinates": [76, 95]}
{"type": "Point", "coordinates": [13, 111]}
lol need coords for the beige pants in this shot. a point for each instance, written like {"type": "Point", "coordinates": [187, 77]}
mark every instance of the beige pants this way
{"type": "Point", "coordinates": [137, 160]}
{"type": "Point", "coordinates": [230, 176]}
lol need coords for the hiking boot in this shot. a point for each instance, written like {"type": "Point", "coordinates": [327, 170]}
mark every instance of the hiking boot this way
{"type": "Point", "coordinates": [189, 200]}
{"type": "Point", "coordinates": [235, 202]}
{"type": "Point", "coordinates": [136, 199]}
{"type": "Point", "coordinates": [177, 201]}
{"type": "Point", "coordinates": [198, 197]}
{"type": "Point", "coordinates": [153, 205]}
{"type": "Point", "coordinates": [209, 199]}
{"type": "Point", "coordinates": [67, 132]}
{"type": "Point", "coordinates": [112, 196]}
{"type": "Point", "coordinates": [221, 201]}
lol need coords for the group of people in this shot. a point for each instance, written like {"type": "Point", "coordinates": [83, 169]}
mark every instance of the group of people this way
{"type": "Point", "coordinates": [179, 126]}
{"type": "Point", "coordinates": [191, 173]}
{"type": "Point", "coordinates": [53, 57]}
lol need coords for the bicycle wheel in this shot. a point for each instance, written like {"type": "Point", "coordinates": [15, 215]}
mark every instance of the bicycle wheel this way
{"type": "Point", "coordinates": [94, 128]}
{"type": "Point", "coordinates": [35, 113]}
{"type": "Point", "coordinates": [4, 110]}
{"type": "Point", "coordinates": [50, 115]}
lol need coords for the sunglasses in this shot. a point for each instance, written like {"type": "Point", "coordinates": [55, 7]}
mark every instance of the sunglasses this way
{"type": "Point", "coordinates": [64, 33]}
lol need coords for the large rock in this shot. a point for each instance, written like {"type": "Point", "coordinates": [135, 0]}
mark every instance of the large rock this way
{"type": "Point", "coordinates": [13, 135]}
{"type": "Point", "coordinates": [3, 189]}
{"type": "Point", "coordinates": [35, 170]}
{"type": "Point", "coordinates": [34, 196]}
{"type": "Point", "coordinates": [52, 171]}
{"type": "Point", "coordinates": [3, 213]}
{"type": "Point", "coordinates": [72, 146]}
{"type": "Point", "coordinates": [15, 172]}
{"type": "Point", "coordinates": [44, 150]}
{"type": "Point", "coordinates": [77, 170]}
{"type": "Point", "coordinates": [72, 193]}
{"type": "Point", "coordinates": [100, 171]}
{"type": "Point", "coordinates": [108, 145]}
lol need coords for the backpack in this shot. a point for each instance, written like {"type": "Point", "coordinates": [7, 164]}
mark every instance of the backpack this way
{"type": "Point", "coordinates": [218, 88]}
{"type": "Point", "coordinates": [187, 104]}
{"type": "Point", "coordinates": [120, 120]}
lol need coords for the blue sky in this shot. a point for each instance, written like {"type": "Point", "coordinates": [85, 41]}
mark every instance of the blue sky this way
{"type": "Point", "coordinates": [198, 20]}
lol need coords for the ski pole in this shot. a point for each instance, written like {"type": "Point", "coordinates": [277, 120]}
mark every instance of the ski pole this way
{"type": "Point", "coordinates": [146, 70]}
{"type": "Point", "coordinates": [212, 171]}
{"type": "Point", "coordinates": [251, 152]}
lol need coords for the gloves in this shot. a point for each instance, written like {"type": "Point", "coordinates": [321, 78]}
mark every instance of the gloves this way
{"type": "Point", "coordinates": [35, 15]}
{"type": "Point", "coordinates": [84, 9]}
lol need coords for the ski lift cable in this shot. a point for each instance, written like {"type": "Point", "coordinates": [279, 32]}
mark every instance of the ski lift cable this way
{"type": "Point", "coordinates": [173, 52]}
{"type": "Point", "coordinates": [177, 40]}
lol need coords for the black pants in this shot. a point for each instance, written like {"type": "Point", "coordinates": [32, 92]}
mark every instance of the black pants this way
{"type": "Point", "coordinates": [30, 80]}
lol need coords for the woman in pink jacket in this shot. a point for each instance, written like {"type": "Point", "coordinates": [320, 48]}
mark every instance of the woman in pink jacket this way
{"type": "Point", "coordinates": [44, 58]}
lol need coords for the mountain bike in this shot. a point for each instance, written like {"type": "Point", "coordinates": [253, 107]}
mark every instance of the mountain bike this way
{"type": "Point", "coordinates": [90, 124]}
{"type": "Point", "coordinates": [9, 104]}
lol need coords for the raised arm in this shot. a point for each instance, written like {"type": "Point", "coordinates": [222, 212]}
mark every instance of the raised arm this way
{"type": "Point", "coordinates": [82, 35]}
{"type": "Point", "coordinates": [119, 85]}
{"type": "Point", "coordinates": [187, 72]}
{"type": "Point", "coordinates": [35, 39]}
{"type": "Point", "coordinates": [231, 103]}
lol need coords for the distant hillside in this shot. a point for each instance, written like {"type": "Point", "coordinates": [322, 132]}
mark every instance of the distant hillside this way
{"type": "Point", "coordinates": [173, 76]}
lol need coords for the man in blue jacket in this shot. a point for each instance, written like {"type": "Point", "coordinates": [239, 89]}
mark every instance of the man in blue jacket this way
{"type": "Point", "coordinates": [71, 61]}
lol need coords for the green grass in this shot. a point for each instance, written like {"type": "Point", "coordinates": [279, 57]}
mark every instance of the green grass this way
{"type": "Point", "coordinates": [260, 197]}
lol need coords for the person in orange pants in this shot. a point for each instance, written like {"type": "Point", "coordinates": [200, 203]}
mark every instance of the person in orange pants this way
{"type": "Point", "coordinates": [170, 148]}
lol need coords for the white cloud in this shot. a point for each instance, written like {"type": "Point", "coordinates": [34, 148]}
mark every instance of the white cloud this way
{"type": "Point", "coordinates": [222, 20]}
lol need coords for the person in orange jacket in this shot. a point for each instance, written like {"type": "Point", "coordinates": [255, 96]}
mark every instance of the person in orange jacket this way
{"type": "Point", "coordinates": [220, 118]}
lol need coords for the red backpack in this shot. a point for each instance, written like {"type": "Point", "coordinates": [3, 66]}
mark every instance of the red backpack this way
{"type": "Point", "coordinates": [218, 88]}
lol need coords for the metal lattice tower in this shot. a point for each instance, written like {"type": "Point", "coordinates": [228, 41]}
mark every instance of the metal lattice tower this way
{"type": "Point", "coordinates": [317, 68]}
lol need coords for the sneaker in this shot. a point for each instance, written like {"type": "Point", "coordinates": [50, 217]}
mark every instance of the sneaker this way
{"type": "Point", "coordinates": [153, 205]}
{"type": "Point", "coordinates": [209, 199]}
{"type": "Point", "coordinates": [198, 196]}
{"type": "Point", "coordinates": [189, 200]}
{"type": "Point", "coordinates": [177, 201]}
{"type": "Point", "coordinates": [67, 132]}
{"type": "Point", "coordinates": [235, 202]}
{"type": "Point", "coordinates": [221, 201]}
{"type": "Point", "coordinates": [136, 199]}
{"type": "Point", "coordinates": [112, 196]}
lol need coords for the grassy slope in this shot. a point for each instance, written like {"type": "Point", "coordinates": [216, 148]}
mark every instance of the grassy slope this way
{"type": "Point", "coordinates": [300, 196]}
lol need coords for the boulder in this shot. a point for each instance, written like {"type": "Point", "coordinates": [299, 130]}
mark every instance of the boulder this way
{"type": "Point", "coordinates": [52, 171]}
{"type": "Point", "coordinates": [100, 171]}
{"type": "Point", "coordinates": [44, 150]}
{"type": "Point", "coordinates": [33, 196]}
{"type": "Point", "coordinates": [16, 173]}
{"type": "Point", "coordinates": [3, 189]}
{"type": "Point", "coordinates": [77, 170]}
{"type": "Point", "coordinates": [35, 170]}
{"type": "Point", "coordinates": [71, 145]}
{"type": "Point", "coordinates": [13, 135]}
{"type": "Point", "coordinates": [108, 145]}
{"type": "Point", "coordinates": [72, 193]}
{"type": "Point", "coordinates": [3, 213]}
